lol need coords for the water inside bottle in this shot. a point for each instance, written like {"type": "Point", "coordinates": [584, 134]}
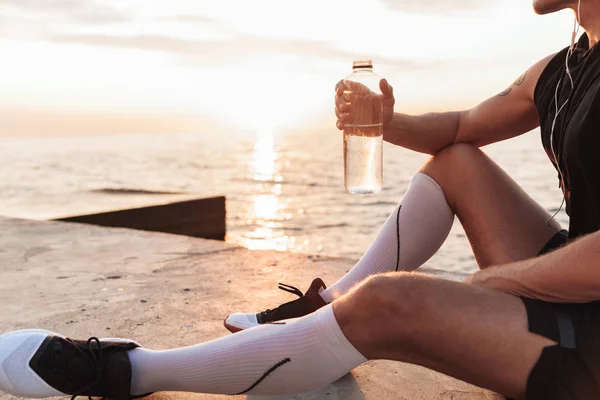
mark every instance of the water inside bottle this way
{"type": "Point", "coordinates": [363, 155]}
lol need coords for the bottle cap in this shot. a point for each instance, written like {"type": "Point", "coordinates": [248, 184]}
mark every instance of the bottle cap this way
{"type": "Point", "coordinates": [362, 64]}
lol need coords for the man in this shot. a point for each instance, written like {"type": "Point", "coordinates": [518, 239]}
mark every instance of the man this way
{"type": "Point", "coordinates": [524, 326]}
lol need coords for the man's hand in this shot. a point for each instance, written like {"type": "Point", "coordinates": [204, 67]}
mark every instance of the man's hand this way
{"type": "Point", "coordinates": [503, 278]}
{"type": "Point", "coordinates": [371, 105]}
{"type": "Point", "coordinates": [570, 274]}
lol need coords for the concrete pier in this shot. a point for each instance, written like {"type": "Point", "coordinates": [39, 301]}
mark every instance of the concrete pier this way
{"type": "Point", "coordinates": [168, 291]}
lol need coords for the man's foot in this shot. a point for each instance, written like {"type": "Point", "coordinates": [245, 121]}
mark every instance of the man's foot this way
{"type": "Point", "coordinates": [308, 303]}
{"type": "Point", "coordinates": [39, 363]}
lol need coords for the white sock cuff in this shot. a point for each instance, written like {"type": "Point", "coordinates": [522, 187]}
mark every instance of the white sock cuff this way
{"type": "Point", "coordinates": [331, 334]}
{"type": "Point", "coordinates": [420, 176]}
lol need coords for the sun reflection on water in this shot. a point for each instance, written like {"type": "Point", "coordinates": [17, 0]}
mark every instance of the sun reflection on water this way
{"type": "Point", "coordinates": [266, 212]}
{"type": "Point", "coordinates": [264, 157]}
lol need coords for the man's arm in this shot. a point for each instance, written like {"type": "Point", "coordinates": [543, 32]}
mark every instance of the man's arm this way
{"type": "Point", "coordinates": [567, 275]}
{"type": "Point", "coordinates": [510, 113]}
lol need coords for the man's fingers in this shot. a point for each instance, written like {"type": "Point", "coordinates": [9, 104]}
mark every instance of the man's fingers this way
{"type": "Point", "coordinates": [339, 88]}
{"type": "Point", "coordinates": [341, 115]}
{"type": "Point", "coordinates": [355, 88]}
{"type": "Point", "coordinates": [348, 92]}
{"type": "Point", "coordinates": [341, 105]}
{"type": "Point", "coordinates": [386, 88]}
{"type": "Point", "coordinates": [388, 93]}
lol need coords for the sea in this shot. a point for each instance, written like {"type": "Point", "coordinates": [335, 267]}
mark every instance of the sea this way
{"type": "Point", "coordinates": [284, 190]}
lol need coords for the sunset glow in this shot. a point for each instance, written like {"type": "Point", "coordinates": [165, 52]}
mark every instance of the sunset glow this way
{"type": "Point", "coordinates": [235, 60]}
{"type": "Point", "coordinates": [253, 71]}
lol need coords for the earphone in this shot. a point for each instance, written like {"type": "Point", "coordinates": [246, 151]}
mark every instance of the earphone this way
{"type": "Point", "coordinates": [576, 28]}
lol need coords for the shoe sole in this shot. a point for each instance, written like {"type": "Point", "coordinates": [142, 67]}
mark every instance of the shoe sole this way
{"type": "Point", "coordinates": [231, 328]}
{"type": "Point", "coordinates": [19, 378]}
{"type": "Point", "coordinates": [29, 331]}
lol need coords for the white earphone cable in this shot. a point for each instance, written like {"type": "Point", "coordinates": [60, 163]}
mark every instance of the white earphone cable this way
{"type": "Point", "coordinates": [576, 28]}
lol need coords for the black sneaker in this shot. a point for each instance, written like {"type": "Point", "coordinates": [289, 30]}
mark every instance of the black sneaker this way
{"type": "Point", "coordinates": [308, 303]}
{"type": "Point", "coordinates": [39, 363]}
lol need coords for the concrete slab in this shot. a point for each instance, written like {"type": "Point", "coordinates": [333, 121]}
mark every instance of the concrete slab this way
{"type": "Point", "coordinates": [168, 291]}
{"type": "Point", "coordinates": [102, 200]}
{"type": "Point", "coordinates": [199, 217]}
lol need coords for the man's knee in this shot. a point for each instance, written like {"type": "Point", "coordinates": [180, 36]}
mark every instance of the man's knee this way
{"type": "Point", "coordinates": [386, 311]}
{"type": "Point", "coordinates": [454, 157]}
{"type": "Point", "coordinates": [398, 297]}
{"type": "Point", "coordinates": [450, 166]}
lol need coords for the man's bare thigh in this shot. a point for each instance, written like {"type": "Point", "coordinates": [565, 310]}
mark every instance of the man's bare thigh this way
{"type": "Point", "coordinates": [469, 332]}
{"type": "Point", "coordinates": [502, 222]}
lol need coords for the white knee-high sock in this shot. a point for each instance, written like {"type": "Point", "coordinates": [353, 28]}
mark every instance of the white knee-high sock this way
{"type": "Point", "coordinates": [298, 356]}
{"type": "Point", "coordinates": [423, 220]}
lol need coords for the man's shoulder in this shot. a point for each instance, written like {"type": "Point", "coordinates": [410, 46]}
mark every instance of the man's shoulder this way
{"type": "Point", "coordinates": [544, 70]}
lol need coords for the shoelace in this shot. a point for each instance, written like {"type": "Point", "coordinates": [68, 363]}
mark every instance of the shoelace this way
{"type": "Point", "coordinates": [90, 354]}
{"type": "Point", "coordinates": [289, 289]}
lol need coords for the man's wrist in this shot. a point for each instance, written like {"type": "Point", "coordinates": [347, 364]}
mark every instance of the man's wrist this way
{"type": "Point", "coordinates": [494, 278]}
{"type": "Point", "coordinates": [478, 278]}
{"type": "Point", "coordinates": [392, 127]}
{"type": "Point", "coordinates": [395, 121]}
{"type": "Point", "coordinates": [504, 278]}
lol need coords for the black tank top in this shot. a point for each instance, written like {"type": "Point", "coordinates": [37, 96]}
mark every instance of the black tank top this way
{"type": "Point", "coordinates": [576, 138]}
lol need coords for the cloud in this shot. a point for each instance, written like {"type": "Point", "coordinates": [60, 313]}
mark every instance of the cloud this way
{"type": "Point", "coordinates": [186, 18]}
{"type": "Point", "coordinates": [214, 52]}
{"type": "Point", "coordinates": [72, 11]}
{"type": "Point", "coordinates": [443, 7]}
{"type": "Point", "coordinates": [47, 19]}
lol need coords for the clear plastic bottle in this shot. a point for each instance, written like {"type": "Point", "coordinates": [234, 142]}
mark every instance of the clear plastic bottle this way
{"type": "Point", "coordinates": [363, 136]}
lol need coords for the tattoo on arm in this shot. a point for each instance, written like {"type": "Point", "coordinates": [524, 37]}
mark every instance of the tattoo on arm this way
{"type": "Point", "coordinates": [521, 79]}
{"type": "Point", "coordinates": [518, 82]}
{"type": "Point", "coordinates": [506, 92]}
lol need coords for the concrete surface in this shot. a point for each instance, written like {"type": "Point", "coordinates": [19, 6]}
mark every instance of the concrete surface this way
{"type": "Point", "coordinates": [167, 291]}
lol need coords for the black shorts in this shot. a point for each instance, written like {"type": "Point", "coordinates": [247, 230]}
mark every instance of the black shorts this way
{"type": "Point", "coordinates": [571, 369]}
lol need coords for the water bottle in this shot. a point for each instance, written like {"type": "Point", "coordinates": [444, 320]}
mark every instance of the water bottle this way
{"type": "Point", "coordinates": [363, 136]}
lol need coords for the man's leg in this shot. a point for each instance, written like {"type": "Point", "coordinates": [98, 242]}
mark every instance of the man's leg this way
{"type": "Point", "coordinates": [502, 222]}
{"type": "Point", "coordinates": [412, 234]}
{"type": "Point", "coordinates": [472, 333]}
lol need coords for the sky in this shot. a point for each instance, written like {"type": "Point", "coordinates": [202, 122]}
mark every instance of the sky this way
{"type": "Point", "coordinates": [254, 63]}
